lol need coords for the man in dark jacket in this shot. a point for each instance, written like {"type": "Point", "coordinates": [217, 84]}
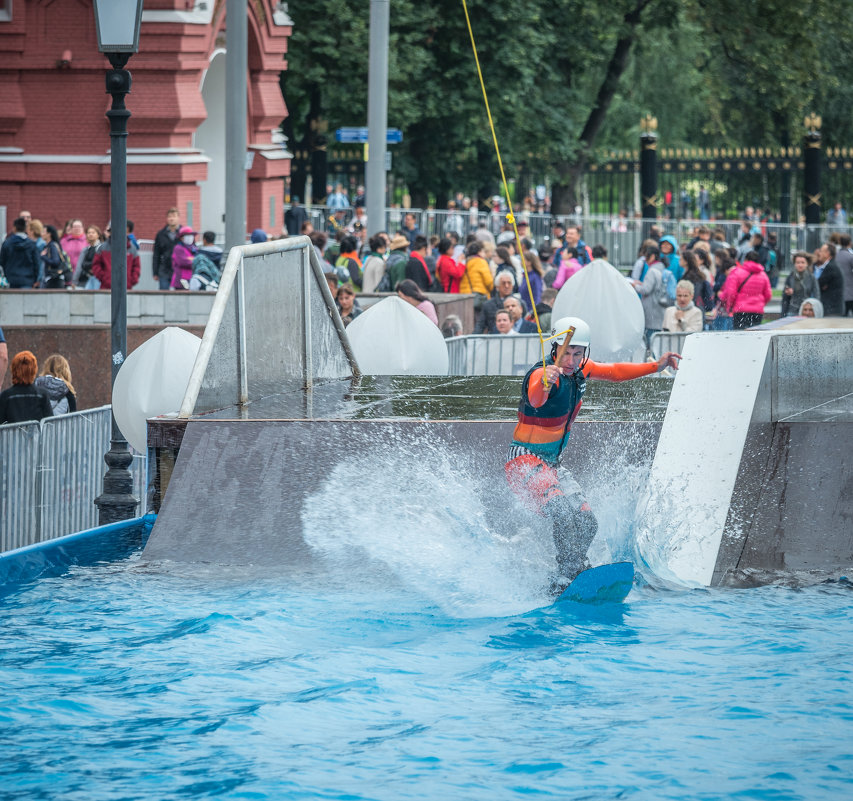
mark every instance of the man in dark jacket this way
{"type": "Point", "coordinates": [416, 266]}
{"type": "Point", "coordinates": [504, 283]}
{"type": "Point", "coordinates": [164, 244]}
{"type": "Point", "coordinates": [294, 217]}
{"type": "Point", "coordinates": [19, 257]}
{"type": "Point", "coordinates": [831, 283]}
{"type": "Point", "coordinates": [844, 260]}
{"type": "Point", "coordinates": [515, 307]}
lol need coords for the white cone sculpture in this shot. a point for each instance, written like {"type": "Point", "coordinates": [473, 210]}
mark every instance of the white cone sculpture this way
{"type": "Point", "coordinates": [601, 296]}
{"type": "Point", "coordinates": [152, 381]}
{"type": "Point", "coordinates": [394, 338]}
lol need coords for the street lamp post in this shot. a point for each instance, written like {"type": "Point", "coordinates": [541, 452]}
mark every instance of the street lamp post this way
{"type": "Point", "coordinates": [649, 170]}
{"type": "Point", "coordinates": [811, 179]}
{"type": "Point", "coordinates": [117, 23]}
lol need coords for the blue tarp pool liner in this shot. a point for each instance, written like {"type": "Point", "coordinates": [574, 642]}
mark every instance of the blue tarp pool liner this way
{"type": "Point", "coordinates": [53, 558]}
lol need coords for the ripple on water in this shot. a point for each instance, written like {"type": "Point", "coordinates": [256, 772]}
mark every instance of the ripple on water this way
{"type": "Point", "coordinates": [139, 684]}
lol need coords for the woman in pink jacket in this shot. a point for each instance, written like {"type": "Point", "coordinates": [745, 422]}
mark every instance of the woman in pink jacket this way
{"type": "Point", "coordinates": [182, 258]}
{"type": "Point", "coordinates": [568, 267]}
{"type": "Point", "coordinates": [746, 292]}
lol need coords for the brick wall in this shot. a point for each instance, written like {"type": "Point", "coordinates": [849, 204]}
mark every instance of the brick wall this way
{"type": "Point", "coordinates": [52, 110]}
{"type": "Point", "coordinates": [87, 349]}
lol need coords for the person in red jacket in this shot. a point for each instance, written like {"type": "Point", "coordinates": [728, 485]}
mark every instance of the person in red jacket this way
{"type": "Point", "coordinates": [746, 292]}
{"type": "Point", "coordinates": [449, 270]}
{"type": "Point", "coordinates": [551, 398]}
{"type": "Point", "coordinates": [102, 264]}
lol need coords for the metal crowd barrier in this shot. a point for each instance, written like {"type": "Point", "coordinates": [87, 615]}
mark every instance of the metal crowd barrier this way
{"type": "Point", "coordinates": [666, 341]}
{"type": "Point", "coordinates": [493, 354]}
{"type": "Point", "coordinates": [52, 471]}
{"type": "Point", "coordinates": [146, 260]}
{"type": "Point", "coordinates": [621, 236]}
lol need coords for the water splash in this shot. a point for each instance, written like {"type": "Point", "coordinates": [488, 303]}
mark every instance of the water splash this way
{"type": "Point", "coordinates": [409, 512]}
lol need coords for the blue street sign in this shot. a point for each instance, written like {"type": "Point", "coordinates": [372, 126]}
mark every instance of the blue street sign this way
{"type": "Point", "coordinates": [355, 135]}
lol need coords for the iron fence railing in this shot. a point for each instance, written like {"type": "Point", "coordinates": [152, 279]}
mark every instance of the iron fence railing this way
{"type": "Point", "coordinates": [621, 236]}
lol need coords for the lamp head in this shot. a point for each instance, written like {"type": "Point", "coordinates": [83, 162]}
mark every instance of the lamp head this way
{"type": "Point", "coordinates": [117, 23]}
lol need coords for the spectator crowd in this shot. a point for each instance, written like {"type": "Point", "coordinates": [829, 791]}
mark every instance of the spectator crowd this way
{"type": "Point", "coordinates": [38, 256]}
{"type": "Point", "coordinates": [702, 283]}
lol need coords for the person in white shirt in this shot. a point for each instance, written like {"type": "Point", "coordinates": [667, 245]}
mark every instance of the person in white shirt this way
{"type": "Point", "coordinates": [684, 316]}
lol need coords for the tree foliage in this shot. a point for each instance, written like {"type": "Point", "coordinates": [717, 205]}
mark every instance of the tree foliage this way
{"type": "Point", "coordinates": [566, 77]}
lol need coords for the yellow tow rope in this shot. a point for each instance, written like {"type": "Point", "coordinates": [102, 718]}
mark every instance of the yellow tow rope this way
{"type": "Point", "coordinates": [510, 215]}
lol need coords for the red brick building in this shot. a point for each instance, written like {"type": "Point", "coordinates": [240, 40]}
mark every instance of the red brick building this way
{"type": "Point", "coordinates": [54, 137]}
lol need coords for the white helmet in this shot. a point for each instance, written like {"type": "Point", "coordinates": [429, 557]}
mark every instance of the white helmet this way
{"type": "Point", "coordinates": [562, 326]}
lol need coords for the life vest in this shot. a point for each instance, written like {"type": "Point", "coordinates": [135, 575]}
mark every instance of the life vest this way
{"type": "Point", "coordinates": [557, 413]}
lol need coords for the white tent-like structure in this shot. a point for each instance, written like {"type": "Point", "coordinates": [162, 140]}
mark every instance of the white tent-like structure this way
{"type": "Point", "coordinates": [394, 338]}
{"type": "Point", "coordinates": [601, 296]}
{"type": "Point", "coordinates": [152, 381]}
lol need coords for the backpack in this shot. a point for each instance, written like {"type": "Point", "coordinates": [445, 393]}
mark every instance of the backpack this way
{"type": "Point", "coordinates": [395, 266]}
{"type": "Point", "coordinates": [669, 283]}
{"type": "Point", "coordinates": [661, 291]}
{"type": "Point", "coordinates": [206, 271]}
{"type": "Point", "coordinates": [60, 275]}
{"type": "Point", "coordinates": [342, 269]}
{"type": "Point", "coordinates": [385, 284]}
{"type": "Point", "coordinates": [64, 263]}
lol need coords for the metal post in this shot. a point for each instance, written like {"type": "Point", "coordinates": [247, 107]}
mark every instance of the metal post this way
{"type": "Point", "coordinates": [117, 501]}
{"type": "Point", "coordinates": [649, 170]}
{"type": "Point", "coordinates": [811, 179]}
{"type": "Point", "coordinates": [236, 68]}
{"type": "Point", "coordinates": [377, 114]}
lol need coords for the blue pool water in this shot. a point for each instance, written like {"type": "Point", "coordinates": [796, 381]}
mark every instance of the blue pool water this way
{"type": "Point", "coordinates": [148, 681]}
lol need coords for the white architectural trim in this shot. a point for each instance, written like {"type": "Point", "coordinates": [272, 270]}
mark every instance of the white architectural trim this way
{"type": "Point", "coordinates": [170, 151]}
{"type": "Point", "coordinates": [274, 152]}
{"type": "Point", "coordinates": [160, 158]}
{"type": "Point", "coordinates": [201, 14]}
{"type": "Point", "coordinates": [276, 155]}
{"type": "Point", "coordinates": [280, 15]}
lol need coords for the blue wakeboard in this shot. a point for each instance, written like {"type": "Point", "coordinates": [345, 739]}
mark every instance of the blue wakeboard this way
{"type": "Point", "coordinates": [603, 584]}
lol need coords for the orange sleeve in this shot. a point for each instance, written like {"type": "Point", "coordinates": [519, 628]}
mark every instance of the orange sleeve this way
{"type": "Point", "coordinates": [536, 392]}
{"type": "Point", "coordinates": [619, 371]}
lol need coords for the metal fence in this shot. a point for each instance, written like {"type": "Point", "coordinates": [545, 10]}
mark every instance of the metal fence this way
{"type": "Point", "coordinates": [52, 471]}
{"type": "Point", "coordinates": [667, 341]}
{"type": "Point", "coordinates": [485, 354]}
{"type": "Point", "coordinates": [489, 354]}
{"type": "Point", "coordinates": [620, 236]}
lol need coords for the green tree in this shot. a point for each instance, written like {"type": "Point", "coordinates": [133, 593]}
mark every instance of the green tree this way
{"type": "Point", "coordinates": [565, 78]}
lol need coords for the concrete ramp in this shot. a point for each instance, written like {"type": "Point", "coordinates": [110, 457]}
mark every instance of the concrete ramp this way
{"type": "Point", "coordinates": [752, 474]}
{"type": "Point", "coordinates": [242, 492]}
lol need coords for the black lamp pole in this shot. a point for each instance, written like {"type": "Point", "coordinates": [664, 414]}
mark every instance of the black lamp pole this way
{"type": "Point", "coordinates": [117, 501]}
{"type": "Point", "coordinates": [648, 171]}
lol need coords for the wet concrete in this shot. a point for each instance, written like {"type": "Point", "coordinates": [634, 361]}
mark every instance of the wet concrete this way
{"type": "Point", "coordinates": [235, 488]}
{"type": "Point", "coordinates": [792, 512]}
{"type": "Point", "coordinates": [239, 488]}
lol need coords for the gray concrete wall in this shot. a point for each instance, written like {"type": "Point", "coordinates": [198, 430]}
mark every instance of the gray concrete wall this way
{"type": "Point", "coordinates": [254, 478]}
{"type": "Point", "coordinates": [84, 307]}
